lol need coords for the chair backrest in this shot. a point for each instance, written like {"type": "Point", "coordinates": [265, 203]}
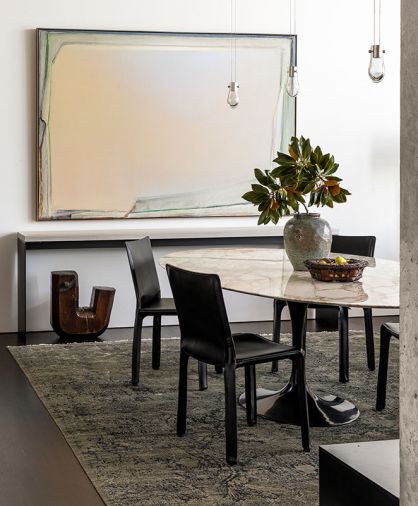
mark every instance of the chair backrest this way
{"type": "Point", "coordinates": [204, 326]}
{"type": "Point", "coordinates": [362, 245]}
{"type": "Point", "coordinates": [144, 273]}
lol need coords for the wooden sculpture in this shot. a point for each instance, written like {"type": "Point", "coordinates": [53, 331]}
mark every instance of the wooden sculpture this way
{"type": "Point", "coordinates": [74, 322]}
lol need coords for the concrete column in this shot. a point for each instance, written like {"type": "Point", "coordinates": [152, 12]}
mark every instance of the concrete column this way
{"type": "Point", "coordinates": [409, 255]}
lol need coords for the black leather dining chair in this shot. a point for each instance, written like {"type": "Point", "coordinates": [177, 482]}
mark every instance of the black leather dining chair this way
{"type": "Point", "coordinates": [387, 331]}
{"type": "Point", "coordinates": [206, 336]}
{"type": "Point", "coordinates": [348, 245]}
{"type": "Point", "coordinates": [149, 303]}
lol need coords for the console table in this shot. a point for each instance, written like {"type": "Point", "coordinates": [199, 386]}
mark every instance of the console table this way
{"type": "Point", "coordinates": [111, 238]}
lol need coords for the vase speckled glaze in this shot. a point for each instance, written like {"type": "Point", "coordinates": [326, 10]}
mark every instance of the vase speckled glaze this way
{"type": "Point", "coordinates": [306, 236]}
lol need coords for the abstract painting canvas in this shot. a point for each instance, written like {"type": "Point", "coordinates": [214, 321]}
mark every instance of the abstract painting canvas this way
{"type": "Point", "coordinates": [136, 125]}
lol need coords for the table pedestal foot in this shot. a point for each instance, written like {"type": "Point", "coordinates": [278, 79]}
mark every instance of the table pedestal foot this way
{"type": "Point", "coordinates": [324, 411]}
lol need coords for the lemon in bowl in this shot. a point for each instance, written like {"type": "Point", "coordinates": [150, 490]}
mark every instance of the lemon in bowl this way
{"type": "Point", "coordinates": [340, 261]}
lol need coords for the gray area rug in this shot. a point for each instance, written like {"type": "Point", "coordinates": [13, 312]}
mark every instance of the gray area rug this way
{"type": "Point", "coordinates": [125, 437]}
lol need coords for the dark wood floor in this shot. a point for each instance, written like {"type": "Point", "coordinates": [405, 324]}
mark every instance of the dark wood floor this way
{"type": "Point", "coordinates": [38, 467]}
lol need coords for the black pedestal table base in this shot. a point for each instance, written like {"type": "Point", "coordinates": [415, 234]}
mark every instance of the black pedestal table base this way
{"type": "Point", "coordinates": [282, 406]}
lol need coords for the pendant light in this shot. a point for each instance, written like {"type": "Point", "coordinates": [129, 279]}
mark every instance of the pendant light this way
{"type": "Point", "coordinates": [233, 96]}
{"type": "Point", "coordinates": [292, 84]}
{"type": "Point", "coordinates": [377, 64]}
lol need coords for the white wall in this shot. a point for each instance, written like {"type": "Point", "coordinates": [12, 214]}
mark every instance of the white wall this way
{"type": "Point", "coordinates": [338, 108]}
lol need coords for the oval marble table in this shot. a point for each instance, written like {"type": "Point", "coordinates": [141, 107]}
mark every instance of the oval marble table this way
{"type": "Point", "coordinates": [268, 273]}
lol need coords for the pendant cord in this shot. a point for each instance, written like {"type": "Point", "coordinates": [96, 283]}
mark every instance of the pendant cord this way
{"type": "Point", "coordinates": [233, 41]}
{"type": "Point", "coordinates": [380, 18]}
{"type": "Point", "coordinates": [292, 30]}
{"type": "Point", "coordinates": [292, 17]}
{"type": "Point", "coordinates": [377, 26]}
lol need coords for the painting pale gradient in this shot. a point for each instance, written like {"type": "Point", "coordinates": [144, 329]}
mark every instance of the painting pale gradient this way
{"type": "Point", "coordinates": [137, 125]}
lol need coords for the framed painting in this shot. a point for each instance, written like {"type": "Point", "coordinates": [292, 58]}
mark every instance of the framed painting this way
{"type": "Point", "coordinates": [136, 124]}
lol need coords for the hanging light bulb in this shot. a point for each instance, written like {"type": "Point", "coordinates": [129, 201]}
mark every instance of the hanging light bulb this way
{"type": "Point", "coordinates": [233, 97]}
{"type": "Point", "coordinates": [233, 86]}
{"type": "Point", "coordinates": [292, 83]}
{"type": "Point", "coordinates": [377, 64]}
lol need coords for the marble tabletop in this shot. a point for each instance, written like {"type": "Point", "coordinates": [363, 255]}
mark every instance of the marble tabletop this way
{"type": "Point", "coordinates": [268, 273]}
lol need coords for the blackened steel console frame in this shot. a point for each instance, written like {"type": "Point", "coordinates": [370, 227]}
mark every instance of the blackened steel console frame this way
{"type": "Point", "coordinates": [25, 242]}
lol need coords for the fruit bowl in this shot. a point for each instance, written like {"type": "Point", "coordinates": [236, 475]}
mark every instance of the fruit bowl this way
{"type": "Point", "coordinates": [327, 269]}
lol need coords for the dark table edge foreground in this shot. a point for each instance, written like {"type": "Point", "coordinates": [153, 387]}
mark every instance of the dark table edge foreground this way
{"type": "Point", "coordinates": [355, 474]}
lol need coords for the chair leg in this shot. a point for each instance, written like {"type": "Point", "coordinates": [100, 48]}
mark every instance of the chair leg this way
{"type": "Point", "coordinates": [303, 402]}
{"type": "Point", "coordinates": [250, 394]}
{"type": "Point", "coordinates": [343, 333]}
{"type": "Point", "coordinates": [277, 320]}
{"type": "Point", "coordinates": [156, 342]}
{"type": "Point", "coordinates": [219, 369]}
{"type": "Point", "coordinates": [203, 375]}
{"type": "Point", "coordinates": [182, 399]}
{"type": "Point", "coordinates": [136, 349]}
{"type": "Point", "coordinates": [368, 323]}
{"type": "Point", "coordinates": [383, 369]}
{"type": "Point", "coordinates": [230, 414]}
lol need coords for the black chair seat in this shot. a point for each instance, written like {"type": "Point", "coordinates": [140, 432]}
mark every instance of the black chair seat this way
{"type": "Point", "coordinates": [160, 306]}
{"type": "Point", "coordinates": [393, 328]}
{"type": "Point", "coordinates": [251, 348]}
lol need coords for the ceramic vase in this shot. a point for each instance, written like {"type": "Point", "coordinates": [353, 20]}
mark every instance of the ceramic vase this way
{"type": "Point", "coordinates": [306, 236]}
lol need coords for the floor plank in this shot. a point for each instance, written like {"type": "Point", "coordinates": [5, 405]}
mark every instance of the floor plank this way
{"type": "Point", "coordinates": [38, 468]}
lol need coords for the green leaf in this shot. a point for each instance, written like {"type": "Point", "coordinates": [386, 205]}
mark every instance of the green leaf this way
{"type": "Point", "coordinates": [333, 169]}
{"type": "Point", "coordinates": [258, 188]}
{"type": "Point", "coordinates": [311, 199]}
{"type": "Point", "coordinates": [330, 165]}
{"type": "Point", "coordinates": [324, 160]}
{"type": "Point", "coordinates": [306, 148]}
{"type": "Point", "coordinates": [278, 171]}
{"type": "Point", "coordinates": [295, 144]}
{"type": "Point", "coordinates": [249, 196]}
{"type": "Point", "coordinates": [275, 218]}
{"type": "Point", "coordinates": [261, 177]}
{"type": "Point", "coordinates": [309, 187]}
{"type": "Point", "coordinates": [284, 160]}
{"type": "Point", "coordinates": [318, 154]}
{"type": "Point", "coordinates": [329, 202]}
{"type": "Point", "coordinates": [263, 216]}
{"type": "Point", "coordinates": [257, 198]}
